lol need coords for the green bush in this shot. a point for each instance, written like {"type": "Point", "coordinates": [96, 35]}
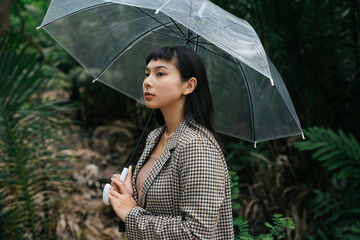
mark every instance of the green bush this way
{"type": "Point", "coordinates": [336, 206]}
{"type": "Point", "coordinates": [243, 156]}
{"type": "Point", "coordinates": [277, 229]}
{"type": "Point", "coordinates": [32, 172]}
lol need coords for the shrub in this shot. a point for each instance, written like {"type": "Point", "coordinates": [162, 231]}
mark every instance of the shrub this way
{"type": "Point", "coordinates": [32, 172]}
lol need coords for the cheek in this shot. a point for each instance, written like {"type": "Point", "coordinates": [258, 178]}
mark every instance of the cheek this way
{"type": "Point", "coordinates": [170, 93]}
{"type": "Point", "coordinates": [170, 88]}
{"type": "Point", "coordinates": [166, 91]}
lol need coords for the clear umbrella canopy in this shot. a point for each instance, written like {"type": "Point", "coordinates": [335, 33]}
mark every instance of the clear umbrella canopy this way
{"type": "Point", "coordinates": [111, 40]}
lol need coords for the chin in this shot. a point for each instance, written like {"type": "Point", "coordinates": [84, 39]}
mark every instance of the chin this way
{"type": "Point", "coordinates": [150, 105]}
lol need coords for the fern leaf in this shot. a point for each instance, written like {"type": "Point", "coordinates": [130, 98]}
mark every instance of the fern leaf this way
{"type": "Point", "coordinates": [335, 151]}
{"type": "Point", "coordinates": [26, 162]}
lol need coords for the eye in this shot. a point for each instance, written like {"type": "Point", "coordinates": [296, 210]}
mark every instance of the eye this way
{"type": "Point", "coordinates": [146, 75]}
{"type": "Point", "coordinates": [160, 74]}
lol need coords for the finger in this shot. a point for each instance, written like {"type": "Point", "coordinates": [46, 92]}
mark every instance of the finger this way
{"type": "Point", "coordinates": [114, 193]}
{"type": "Point", "coordinates": [116, 176]}
{"type": "Point", "coordinates": [114, 185]}
{"type": "Point", "coordinates": [129, 175]}
{"type": "Point", "coordinates": [120, 185]}
{"type": "Point", "coordinates": [112, 199]}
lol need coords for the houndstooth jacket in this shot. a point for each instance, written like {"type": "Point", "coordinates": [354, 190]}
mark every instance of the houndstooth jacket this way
{"type": "Point", "coordinates": [187, 193]}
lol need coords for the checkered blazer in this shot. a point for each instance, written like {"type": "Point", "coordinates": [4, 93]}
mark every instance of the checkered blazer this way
{"type": "Point", "coordinates": [187, 193]}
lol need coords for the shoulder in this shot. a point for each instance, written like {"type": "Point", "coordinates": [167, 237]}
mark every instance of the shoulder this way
{"type": "Point", "coordinates": [199, 153]}
{"type": "Point", "coordinates": [197, 135]}
{"type": "Point", "coordinates": [198, 138]}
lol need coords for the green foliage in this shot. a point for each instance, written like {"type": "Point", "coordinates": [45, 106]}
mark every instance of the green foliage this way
{"type": "Point", "coordinates": [242, 155]}
{"type": "Point", "coordinates": [315, 46]}
{"type": "Point", "coordinates": [32, 172]}
{"type": "Point", "coordinates": [337, 152]}
{"type": "Point", "coordinates": [102, 108]}
{"type": "Point", "coordinates": [64, 73]}
{"type": "Point", "coordinates": [338, 204]}
{"type": "Point", "coordinates": [234, 178]}
{"type": "Point", "coordinates": [8, 219]}
{"type": "Point", "coordinates": [27, 15]}
{"type": "Point", "coordinates": [280, 223]}
{"type": "Point", "coordinates": [242, 226]}
{"type": "Point", "coordinates": [277, 229]}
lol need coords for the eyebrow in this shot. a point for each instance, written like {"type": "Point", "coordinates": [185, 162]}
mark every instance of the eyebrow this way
{"type": "Point", "coordinates": [157, 67]}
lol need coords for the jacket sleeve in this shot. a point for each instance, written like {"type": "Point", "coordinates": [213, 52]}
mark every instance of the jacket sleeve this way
{"type": "Point", "coordinates": [202, 180]}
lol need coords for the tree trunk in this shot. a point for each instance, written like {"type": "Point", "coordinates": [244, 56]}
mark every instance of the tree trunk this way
{"type": "Point", "coordinates": [4, 16]}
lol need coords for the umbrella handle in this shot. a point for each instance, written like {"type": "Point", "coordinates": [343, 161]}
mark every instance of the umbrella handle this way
{"type": "Point", "coordinates": [107, 187]}
{"type": "Point", "coordinates": [105, 195]}
{"type": "Point", "coordinates": [125, 169]}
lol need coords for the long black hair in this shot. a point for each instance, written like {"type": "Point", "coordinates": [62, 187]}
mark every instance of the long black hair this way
{"type": "Point", "coordinates": [198, 104]}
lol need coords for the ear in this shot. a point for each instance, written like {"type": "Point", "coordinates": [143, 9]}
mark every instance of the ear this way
{"type": "Point", "coordinates": [190, 86]}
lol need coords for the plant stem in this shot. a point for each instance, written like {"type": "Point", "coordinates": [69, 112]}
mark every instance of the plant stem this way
{"type": "Point", "coordinates": [14, 150]}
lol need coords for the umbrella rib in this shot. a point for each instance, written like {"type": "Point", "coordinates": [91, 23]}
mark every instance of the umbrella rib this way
{"type": "Point", "coordinates": [158, 21]}
{"type": "Point", "coordinates": [216, 53]}
{"type": "Point", "coordinates": [206, 43]}
{"type": "Point", "coordinates": [250, 99]}
{"type": "Point", "coordinates": [196, 42]}
{"type": "Point", "coordinates": [101, 35]}
{"type": "Point", "coordinates": [178, 28]}
{"type": "Point", "coordinates": [73, 13]}
{"type": "Point", "coordinates": [169, 35]}
{"type": "Point", "coordinates": [197, 36]}
{"type": "Point", "coordinates": [127, 46]}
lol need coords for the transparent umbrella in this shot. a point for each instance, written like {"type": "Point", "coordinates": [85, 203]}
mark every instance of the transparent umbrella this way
{"type": "Point", "coordinates": [111, 40]}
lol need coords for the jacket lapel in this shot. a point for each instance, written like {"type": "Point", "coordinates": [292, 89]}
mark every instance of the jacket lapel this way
{"type": "Point", "coordinates": [144, 156]}
{"type": "Point", "coordinates": [154, 172]}
{"type": "Point", "coordinates": [165, 156]}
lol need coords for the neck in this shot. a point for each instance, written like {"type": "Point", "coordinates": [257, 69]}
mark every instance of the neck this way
{"type": "Point", "coordinates": [173, 117]}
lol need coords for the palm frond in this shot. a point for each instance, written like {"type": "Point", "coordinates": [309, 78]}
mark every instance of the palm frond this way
{"type": "Point", "coordinates": [337, 152]}
{"type": "Point", "coordinates": [32, 172]}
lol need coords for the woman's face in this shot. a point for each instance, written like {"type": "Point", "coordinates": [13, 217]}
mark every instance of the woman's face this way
{"type": "Point", "coordinates": [162, 86]}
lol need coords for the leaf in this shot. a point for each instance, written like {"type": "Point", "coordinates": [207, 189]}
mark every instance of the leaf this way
{"type": "Point", "coordinates": [26, 130]}
{"type": "Point", "coordinates": [269, 225]}
{"type": "Point", "coordinates": [331, 150]}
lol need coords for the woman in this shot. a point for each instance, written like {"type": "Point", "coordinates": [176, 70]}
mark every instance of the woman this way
{"type": "Point", "coordinates": [180, 188]}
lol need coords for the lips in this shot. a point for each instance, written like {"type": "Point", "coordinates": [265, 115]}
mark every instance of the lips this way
{"type": "Point", "coordinates": [148, 95]}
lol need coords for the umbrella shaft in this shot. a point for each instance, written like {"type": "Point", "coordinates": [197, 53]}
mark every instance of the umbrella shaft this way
{"type": "Point", "coordinates": [141, 136]}
{"type": "Point", "coordinates": [189, 39]}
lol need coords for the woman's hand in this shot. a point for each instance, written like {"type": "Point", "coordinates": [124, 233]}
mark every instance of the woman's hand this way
{"type": "Point", "coordinates": [128, 181]}
{"type": "Point", "coordinates": [121, 201]}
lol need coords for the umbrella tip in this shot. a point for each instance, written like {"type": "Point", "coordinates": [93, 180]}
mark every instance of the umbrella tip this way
{"type": "Point", "coordinates": [158, 10]}
{"type": "Point", "coordinates": [255, 144]}
{"type": "Point", "coordinates": [303, 136]}
{"type": "Point", "coordinates": [38, 27]}
{"type": "Point", "coordinates": [272, 82]}
{"type": "Point", "coordinates": [96, 79]}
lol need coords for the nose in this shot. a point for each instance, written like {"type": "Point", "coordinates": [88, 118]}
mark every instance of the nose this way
{"type": "Point", "coordinates": [147, 82]}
